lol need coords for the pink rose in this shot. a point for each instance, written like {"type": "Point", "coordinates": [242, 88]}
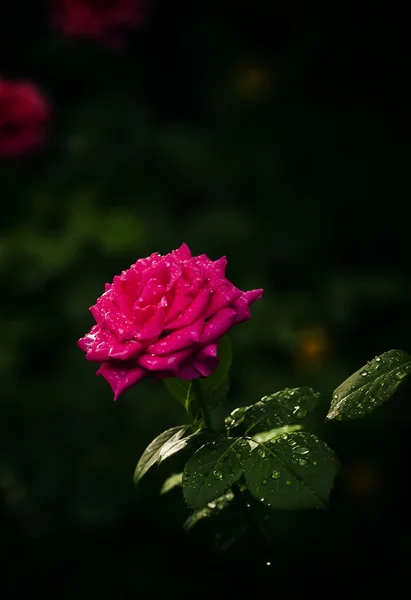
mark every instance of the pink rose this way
{"type": "Point", "coordinates": [24, 113]}
{"type": "Point", "coordinates": [164, 317]}
{"type": "Point", "coordinates": [105, 20]}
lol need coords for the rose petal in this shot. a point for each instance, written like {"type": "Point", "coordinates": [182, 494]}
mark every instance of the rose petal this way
{"type": "Point", "coordinates": [121, 325]}
{"type": "Point", "coordinates": [218, 325]}
{"type": "Point", "coordinates": [178, 340]}
{"type": "Point", "coordinates": [155, 324]}
{"type": "Point", "coordinates": [188, 371]}
{"type": "Point", "coordinates": [182, 253]}
{"type": "Point", "coordinates": [193, 312]}
{"type": "Point", "coordinates": [224, 296]}
{"type": "Point", "coordinates": [170, 363]}
{"type": "Point", "coordinates": [207, 351]}
{"type": "Point", "coordinates": [183, 296]}
{"type": "Point", "coordinates": [206, 367]}
{"type": "Point", "coordinates": [119, 377]}
{"type": "Point", "coordinates": [216, 269]}
{"type": "Point", "coordinates": [151, 293]}
{"type": "Point", "coordinates": [242, 305]}
{"type": "Point", "coordinates": [101, 344]}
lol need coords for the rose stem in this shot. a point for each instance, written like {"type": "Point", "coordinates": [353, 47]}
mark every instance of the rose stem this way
{"type": "Point", "coordinates": [203, 405]}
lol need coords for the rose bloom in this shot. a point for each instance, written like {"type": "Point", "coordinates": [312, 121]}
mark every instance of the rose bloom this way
{"type": "Point", "coordinates": [97, 19]}
{"type": "Point", "coordinates": [164, 317]}
{"type": "Point", "coordinates": [24, 112]}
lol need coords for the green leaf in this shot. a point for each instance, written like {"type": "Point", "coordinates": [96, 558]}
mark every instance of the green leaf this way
{"type": "Point", "coordinates": [293, 472]}
{"type": "Point", "coordinates": [213, 469]}
{"type": "Point", "coordinates": [180, 390]}
{"type": "Point", "coordinates": [215, 386]}
{"type": "Point", "coordinates": [151, 454]}
{"type": "Point", "coordinates": [282, 408]}
{"type": "Point", "coordinates": [212, 509]}
{"type": "Point", "coordinates": [174, 444]}
{"type": "Point", "coordinates": [370, 386]}
{"type": "Point", "coordinates": [171, 482]}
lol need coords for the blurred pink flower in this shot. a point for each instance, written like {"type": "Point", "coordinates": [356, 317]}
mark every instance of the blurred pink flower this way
{"type": "Point", "coordinates": [24, 113]}
{"type": "Point", "coordinates": [164, 317]}
{"type": "Point", "coordinates": [105, 20]}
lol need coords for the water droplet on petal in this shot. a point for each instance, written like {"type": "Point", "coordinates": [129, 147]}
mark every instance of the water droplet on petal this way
{"type": "Point", "coordinates": [217, 474]}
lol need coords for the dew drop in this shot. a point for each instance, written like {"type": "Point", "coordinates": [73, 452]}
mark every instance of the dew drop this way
{"type": "Point", "coordinates": [262, 499]}
{"type": "Point", "coordinates": [276, 474]}
{"type": "Point", "coordinates": [302, 450]}
{"type": "Point", "coordinates": [268, 563]}
{"type": "Point", "coordinates": [261, 452]}
{"type": "Point", "coordinates": [378, 358]}
{"type": "Point", "coordinates": [238, 455]}
{"type": "Point", "coordinates": [264, 482]}
{"type": "Point", "coordinates": [284, 436]}
{"type": "Point", "coordinates": [217, 474]}
{"type": "Point", "coordinates": [303, 462]}
{"type": "Point", "coordinates": [248, 505]}
{"type": "Point", "coordinates": [335, 396]}
{"type": "Point", "coordinates": [288, 482]}
{"type": "Point", "coordinates": [314, 463]}
{"type": "Point", "coordinates": [364, 373]}
{"type": "Point", "coordinates": [299, 413]}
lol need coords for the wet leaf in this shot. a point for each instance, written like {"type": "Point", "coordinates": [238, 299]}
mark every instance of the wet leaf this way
{"type": "Point", "coordinates": [151, 454]}
{"type": "Point", "coordinates": [370, 386]}
{"type": "Point", "coordinates": [171, 482]}
{"type": "Point", "coordinates": [213, 469]}
{"type": "Point", "coordinates": [286, 407]}
{"type": "Point", "coordinates": [293, 472]}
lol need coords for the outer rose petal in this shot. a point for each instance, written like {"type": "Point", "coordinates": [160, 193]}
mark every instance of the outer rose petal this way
{"type": "Point", "coordinates": [218, 325]}
{"type": "Point", "coordinates": [167, 362]}
{"type": "Point", "coordinates": [178, 340]}
{"type": "Point", "coordinates": [100, 345]}
{"type": "Point", "coordinates": [120, 377]}
{"type": "Point", "coordinates": [182, 253]}
{"type": "Point", "coordinates": [242, 305]}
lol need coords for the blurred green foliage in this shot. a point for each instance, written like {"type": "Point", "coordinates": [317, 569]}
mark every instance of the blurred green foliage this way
{"type": "Point", "coordinates": [248, 133]}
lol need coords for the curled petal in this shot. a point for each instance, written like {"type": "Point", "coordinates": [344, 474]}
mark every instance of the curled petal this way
{"type": "Point", "coordinates": [166, 362]}
{"type": "Point", "coordinates": [193, 312]}
{"type": "Point", "coordinates": [182, 253]}
{"type": "Point", "coordinates": [101, 344]}
{"type": "Point", "coordinates": [224, 296]}
{"type": "Point", "coordinates": [207, 351]}
{"type": "Point", "coordinates": [188, 371]}
{"type": "Point", "coordinates": [120, 324]}
{"type": "Point", "coordinates": [218, 325]}
{"type": "Point", "coordinates": [183, 296]}
{"type": "Point", "coordinates": [178, 340]}
{"type": "Point", "coordinates": [155, 324]}
{"type": "Point", "coordinates": [119, 377]}
{"type": "Point", "coordinates": [242, 305]}
{"type": "Point", "coordinates": [152, 292]}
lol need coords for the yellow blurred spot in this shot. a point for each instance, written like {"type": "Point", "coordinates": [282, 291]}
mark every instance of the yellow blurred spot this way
{"type": "Point", "coordinates": [251, 82]}
{"type": "Point", "coordinates": [362, 480]}
{"type": "Point", "coordinates": [312, 346]}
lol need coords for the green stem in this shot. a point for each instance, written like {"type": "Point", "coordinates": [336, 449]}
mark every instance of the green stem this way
{"type": "Point", "coordinates": [203, 405]}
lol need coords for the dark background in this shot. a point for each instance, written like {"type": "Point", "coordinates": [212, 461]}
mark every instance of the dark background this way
{"type": "Point", "coordinates": [271, 133]}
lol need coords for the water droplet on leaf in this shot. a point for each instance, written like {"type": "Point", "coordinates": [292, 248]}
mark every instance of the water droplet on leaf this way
{"type": "Point", "coordinates": [364, 373]}
{"type": "Point", "coordinates": [303, 462]}
{"type": "Point", "coordinates": [299, 413]}
{"type": "Point", "coordinates": [217, 474]}
{"type": "Point", "coordinates": [288, 482]}
{"type": "Point", "coordinates": [276, 474]}
{"type": "Point", "coordinates": [261, 452]}
{"type": "Point", "coordinates": [302, 450]}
